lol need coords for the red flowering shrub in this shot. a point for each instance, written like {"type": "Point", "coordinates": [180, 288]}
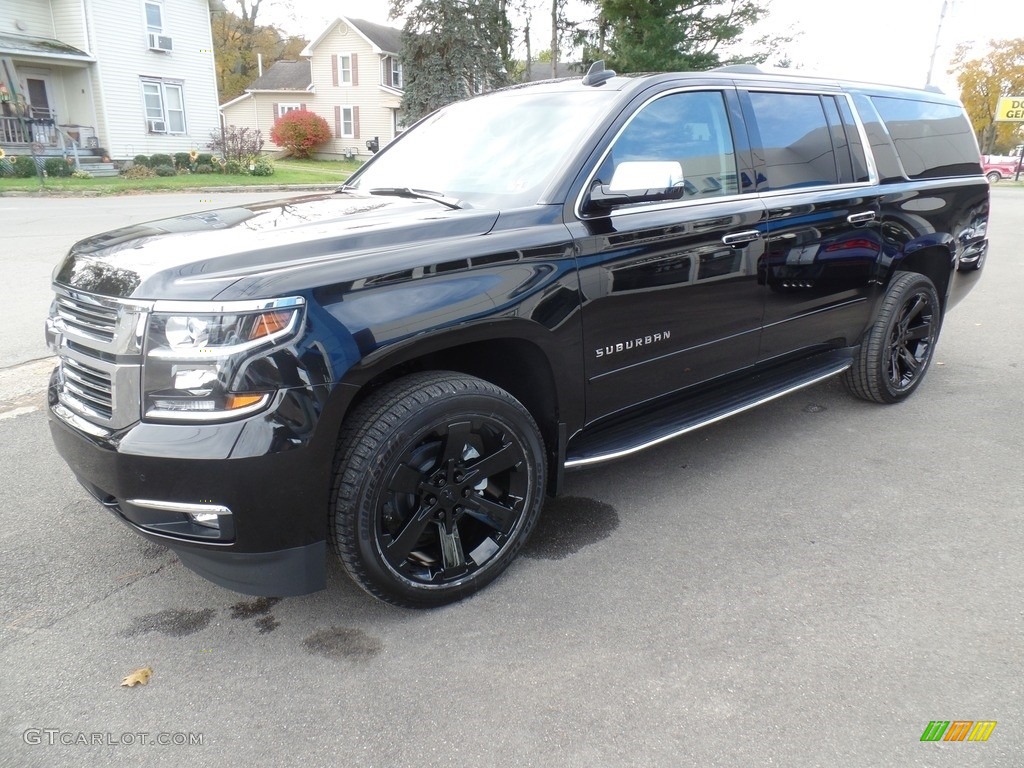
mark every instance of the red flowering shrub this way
{"type": "Point", "coordinates": [300, 131]}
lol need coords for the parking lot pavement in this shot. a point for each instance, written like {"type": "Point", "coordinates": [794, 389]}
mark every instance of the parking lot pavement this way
{"type": "Point", "coordinates": [807, 584]}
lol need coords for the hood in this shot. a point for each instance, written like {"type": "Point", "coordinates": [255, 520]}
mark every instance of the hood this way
{"type": "Point", "coordinates": [201, 255]}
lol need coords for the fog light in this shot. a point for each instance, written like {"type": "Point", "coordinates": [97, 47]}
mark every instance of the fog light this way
{"type": "Point", "coordinates": [206, 519]}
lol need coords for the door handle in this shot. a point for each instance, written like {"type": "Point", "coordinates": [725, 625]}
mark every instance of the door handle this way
{"type": "Point", "coordinates": [741, 238]}
{"type": "Point", "coordinates": [861, 218]}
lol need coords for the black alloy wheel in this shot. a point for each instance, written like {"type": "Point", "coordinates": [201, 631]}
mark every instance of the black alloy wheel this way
{"type": "Point", "coordinates": [899, 346]}
{"type": "Point", "coordinates": [438, 486]}
{"type": "Point", "coordinates": [911, 339]}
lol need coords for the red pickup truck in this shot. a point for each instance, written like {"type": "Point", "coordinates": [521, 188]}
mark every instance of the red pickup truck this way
{"type": "Point", "coordinates": [998, 168]}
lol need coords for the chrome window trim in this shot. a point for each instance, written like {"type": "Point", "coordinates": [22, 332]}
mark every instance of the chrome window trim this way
{"type": "Point", "coordinates": [645, 207]}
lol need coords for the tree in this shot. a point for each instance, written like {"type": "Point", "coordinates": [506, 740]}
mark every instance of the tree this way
{"type": "Point", "coordinates": [238, 41]}
{"type": "Point", "coordinates": [1000, 72]}
{"type": "Point", "coordinates": [670, 35]}
{"type": "Point", "coordinates": [451, 49]}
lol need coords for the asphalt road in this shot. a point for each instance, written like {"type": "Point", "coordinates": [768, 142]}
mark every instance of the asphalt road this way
{"type": "Point", "coordinates": [808, 584]}
{"type": "Point", "coordinates": [37, 232]}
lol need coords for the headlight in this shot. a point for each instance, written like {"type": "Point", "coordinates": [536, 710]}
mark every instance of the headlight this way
{"type": "Point", "coordinates": [197, 359]}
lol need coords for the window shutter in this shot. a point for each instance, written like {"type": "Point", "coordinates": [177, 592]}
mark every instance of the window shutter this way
{"type": "Point", "coordinates": [355, 122]}
{"type": "Point", "coordinates": [277, 114]}
{"type": "Point", "coordinates": [355, 69]}
{"type": "Point", "coordinates": [334, 69]}
{"type": "Point", "coordinates": [302, 107]}
{"type": "Point", "coordinates": [337, 121]}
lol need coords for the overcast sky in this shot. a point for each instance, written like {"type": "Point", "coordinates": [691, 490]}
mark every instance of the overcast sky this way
{"type": "Point", "coordinates": [888, 41]}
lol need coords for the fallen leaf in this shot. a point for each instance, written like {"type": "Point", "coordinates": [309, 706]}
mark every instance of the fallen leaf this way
{"type": "Point", "coordinates": [138, 677]}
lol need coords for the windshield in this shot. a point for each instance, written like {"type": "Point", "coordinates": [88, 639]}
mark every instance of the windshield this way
{"type": "Point", "coordinates": [499, 150]}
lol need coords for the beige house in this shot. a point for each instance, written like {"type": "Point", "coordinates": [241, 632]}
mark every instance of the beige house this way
{"type": "Point", "coordinates": [126, 76]}
{"type": "Point", "coordinates": [350, 75]}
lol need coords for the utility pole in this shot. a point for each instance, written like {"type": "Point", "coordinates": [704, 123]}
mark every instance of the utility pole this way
{"type": "Point", "coordinates": [938, 36]}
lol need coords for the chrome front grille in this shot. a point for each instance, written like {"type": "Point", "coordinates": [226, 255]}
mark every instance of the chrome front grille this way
{"type": "Point", "coordinates": [90, 388]}
{"type": "Point", "coordinates": [99, 343]}
{"type": "Point", "coordinates": [89, 318]}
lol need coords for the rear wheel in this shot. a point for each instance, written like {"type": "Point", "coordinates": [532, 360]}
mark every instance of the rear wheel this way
{"type": "Point", "coordinates": [993, 177]}
{"type": "Point", "coordinates": [438, 484]}
{"type": "Point", "coordinates": [899, 346]}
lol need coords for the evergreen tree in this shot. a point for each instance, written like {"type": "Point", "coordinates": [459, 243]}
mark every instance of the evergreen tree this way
{"type": "Point", "coordinates": [451, 49]}
{"type": "Point", "coordinates": [670, 35]}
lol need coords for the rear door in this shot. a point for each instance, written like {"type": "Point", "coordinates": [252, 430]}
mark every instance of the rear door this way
{"type": "Point", "coordinates": [824, 234]}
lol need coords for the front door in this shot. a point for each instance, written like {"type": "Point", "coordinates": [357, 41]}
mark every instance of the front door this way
{"type": "Point", "coordinates": [38, 89]}
{"type": "Point", "coordinates": [667, 303]}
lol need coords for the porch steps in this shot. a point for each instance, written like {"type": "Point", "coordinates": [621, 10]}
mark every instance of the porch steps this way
{"type": "Point", "coordinates": [97, 169]}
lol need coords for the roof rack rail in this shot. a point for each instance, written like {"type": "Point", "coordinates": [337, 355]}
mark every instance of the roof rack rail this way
{"type": "Point", "coordinates": [743, 69]}
{"type": "Point", "coordinates": [597, 74]}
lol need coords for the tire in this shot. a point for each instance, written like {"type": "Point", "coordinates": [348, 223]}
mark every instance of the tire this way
{"type": "Point", "coordinates": [896, 352]}
{"type": "Point", "coordinates": [438, 483]}
{"type": "Point", "coordinates": [993, 177]}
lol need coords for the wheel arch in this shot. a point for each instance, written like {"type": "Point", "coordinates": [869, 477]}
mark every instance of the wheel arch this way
{"type": "Point", "coordinates": [936, 261]}
{"type": "Point", "coordinates": [520, 365]}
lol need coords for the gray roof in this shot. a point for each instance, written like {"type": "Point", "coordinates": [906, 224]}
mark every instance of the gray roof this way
{"type": "Point", "coordinates": [388, 39]}
{"type": "Point", "coordinates": [39, 46]}
{"type": "Point", "coordinates": [284, 76]}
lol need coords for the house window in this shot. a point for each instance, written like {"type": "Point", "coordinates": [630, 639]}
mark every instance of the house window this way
{"type": "Point", "coordinates": [165, 106]}
{"type": "Point", "coordinates": [391, 72]}
{"type": "Point", "coordinates": [284, 109]}
{"type": "Point", "coordinates": [154, 17]}
{"type": "Point", "coordinates": [347, 122]}
{"type": "Point", "coordinates": [344, 69]}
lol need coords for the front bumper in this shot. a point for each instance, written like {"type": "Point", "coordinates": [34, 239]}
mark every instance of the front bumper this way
{"type": "Point", "coordinates": [264, 480]}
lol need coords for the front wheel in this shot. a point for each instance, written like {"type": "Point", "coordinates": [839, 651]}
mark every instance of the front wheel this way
{"type": "Point", "coordinates": [898, 348]}
{"type": "Point", "coordinates": [438, 484]}
{"type": "Point", "coordinates": [993, 177]}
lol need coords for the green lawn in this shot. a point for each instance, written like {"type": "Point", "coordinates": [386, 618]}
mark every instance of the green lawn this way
{"type": "Point", "coordinates": [285, 172]}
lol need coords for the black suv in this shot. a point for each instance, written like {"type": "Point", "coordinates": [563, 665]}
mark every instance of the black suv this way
{"type": "Point", "coordinates": [545, 277]}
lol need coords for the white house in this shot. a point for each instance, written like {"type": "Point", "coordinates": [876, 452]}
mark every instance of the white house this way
{"type": "Point", "coordinates": [351, 75]}
{"type": "Point", "coordinates": [129, 76]}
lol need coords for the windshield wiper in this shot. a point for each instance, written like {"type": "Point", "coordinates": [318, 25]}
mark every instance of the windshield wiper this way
{"type": "Point", "coordinates": [418, 194]}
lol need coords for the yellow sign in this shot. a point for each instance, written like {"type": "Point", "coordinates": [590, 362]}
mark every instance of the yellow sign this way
{"type": "Point", "coordinates": [1010, 109]}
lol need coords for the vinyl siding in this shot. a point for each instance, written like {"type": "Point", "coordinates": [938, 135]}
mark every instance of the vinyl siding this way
{"type": "Point", "coordinates": [69, 23]}
{"type": "Point", "coordinates": [121, 47]}
{"type": "Point", "coordinates": [34, 15]}
{"type": "Point", "coordinates": [257, 111]}
{"type": "Point", "coordinates": [375, 114]}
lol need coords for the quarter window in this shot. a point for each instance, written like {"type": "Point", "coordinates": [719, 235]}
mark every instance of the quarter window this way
{"type": "Point", "coordinates": [691, 129]}
{"type": "Point", "coordinates": [933, 140]}
{"type": "Point", "coordinates": [795, 139]}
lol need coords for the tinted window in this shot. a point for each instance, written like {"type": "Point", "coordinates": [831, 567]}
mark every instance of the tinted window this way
{"type": "Point", "coordinates": [795, 140]}
{"type": "Point", "coordinates": [932, 140]}
{"type": "Point", "coordinates": [886, 161]}
{"type": "Point", "coordinates": [689, 128]}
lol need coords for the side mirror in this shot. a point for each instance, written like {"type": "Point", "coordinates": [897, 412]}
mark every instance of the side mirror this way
{"type": "Point", "coordinates": [639, 181]}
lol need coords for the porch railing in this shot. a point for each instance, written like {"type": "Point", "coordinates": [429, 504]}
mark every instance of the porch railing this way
{"type": "Point", "coordinates": [24, 131]}
{"type": "Point", "coordinates": [14, 130]}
